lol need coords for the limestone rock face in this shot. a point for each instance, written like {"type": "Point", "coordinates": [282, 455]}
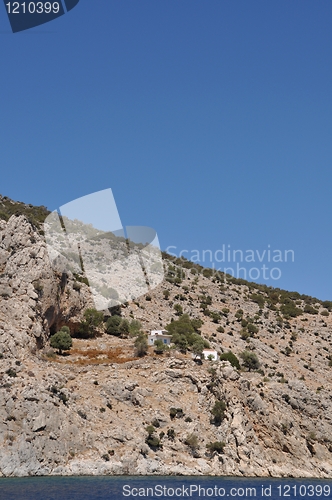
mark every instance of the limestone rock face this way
{"type": "Point", "coordinates": [88, 413]}
{"type": "Point", "coordinates": [34, 301]}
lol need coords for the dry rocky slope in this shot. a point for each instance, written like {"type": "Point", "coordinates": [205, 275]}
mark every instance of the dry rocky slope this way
{"type": "Point", "coordinates": [87, 412]}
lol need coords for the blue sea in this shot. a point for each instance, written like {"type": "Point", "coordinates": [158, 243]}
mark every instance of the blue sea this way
{"type": "Point", "coordinates": [133, 487]}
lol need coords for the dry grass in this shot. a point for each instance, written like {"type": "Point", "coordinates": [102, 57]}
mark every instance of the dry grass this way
{"type": "Point", "coordinates": [84, 357]}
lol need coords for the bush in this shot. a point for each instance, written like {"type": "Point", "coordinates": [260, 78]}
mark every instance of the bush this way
{"type": "Point", "coordinates": [61, 340]}
{"type": "Point", "coordinates": [217, 446]}
{"type": "Point", "coordinates": [178, 309]}
{"type": "Point", "coordinates": [166, 294]}
{"type": "Point", "coordinates": [250, 360]}
{"type": "Point", "coordinates": [289, 310]}
{"type": "Point", "coordinates": [310, 310]}
{"type": "Point", "coordinates": [92, 320]}
{"type": "Point", "coordinates": [244, 334]}
{"type": "Point", "coordinates": [252, 328]}
{"type": "Point", "coordinates": [134, 327]}
{"type": "Point", "coordinates": [184, 332]}
{"type": "Point", "coordinates": [218, 412]}
{"type": "Point", "coordinates": [176, 412]}
{"type": "Point", "coordinates": [113, 325]}
{"type": "Point", "coordinates": [171, 434]}
{"type": "Point", "coordinates": [259, 299]}
{"type": "Point", "coordinates": [229, 356]}
{"type": "Point", "coordinates": [141, 345]}
{"type": "Point", "coordinates": [160, 347]}
{"type": "Point", "coordinates": [192, 441]}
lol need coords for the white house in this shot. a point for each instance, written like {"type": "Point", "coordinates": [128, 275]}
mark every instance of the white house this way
{"type": "Point", "coordinates": [210, 352]}
{"type": "Point", "coordinates": [159, 335]}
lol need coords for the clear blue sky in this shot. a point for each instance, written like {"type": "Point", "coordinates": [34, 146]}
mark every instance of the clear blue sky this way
{"type": "Point", "coordinates": [211, 121]}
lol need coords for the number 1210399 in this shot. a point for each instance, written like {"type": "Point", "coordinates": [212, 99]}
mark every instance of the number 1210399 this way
{"type": "Point", "coordinates": [33, 7]}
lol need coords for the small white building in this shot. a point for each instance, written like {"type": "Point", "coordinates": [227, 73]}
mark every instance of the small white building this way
{"type": "Point", "coordinates": [210, 352]}
{"type": "Point", "coordinates": [159, 335]}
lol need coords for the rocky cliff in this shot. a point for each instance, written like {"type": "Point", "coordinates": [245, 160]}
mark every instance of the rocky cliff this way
{"type": "Point", "coordinates": [101, 410]}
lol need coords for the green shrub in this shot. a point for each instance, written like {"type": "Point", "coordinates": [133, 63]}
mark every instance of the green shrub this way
{"type": "Point", "coordinates": [310, 310]}
{"type": "Point", "coordinates": [91, 322]}
{"type": "Point", "coordinates": [61, 340]}
{"type": "Point", "coordinates": [229, 356]}
{"type": "Point", "coordinates": [250, 360]}
{"type": "Point", "coordinates": [252, 328]}
{"type": "Point", "coordinates": [244, 334]}
{"type": "Point", "coordinates": [160, 347]}
{"type": "Point", "coordinates": [134, 327]}
{"type": "Point", "coordinates": [289, 310]}
{"type": "Point", "coordinates": [176, 412]}
{"type": "Point", "coordinates": [217, 446]}
{"type": "Point", "coordinates": [141, 345]}
{"type": "Point", "coordinates": [218, 412]}
{"type": "Point", "coordinates": [184, 332]}
{"type": "Point", "coordinates": [258, 299]}
{"type": "Point", "coordinates": [178, 309]}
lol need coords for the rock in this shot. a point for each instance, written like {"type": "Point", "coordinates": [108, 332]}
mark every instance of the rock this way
{"type": "Point", "coordinates": [39, 423]}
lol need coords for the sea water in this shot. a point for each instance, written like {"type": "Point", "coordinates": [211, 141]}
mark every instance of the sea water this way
{"type": "Point", "coordinates": [135, 487]}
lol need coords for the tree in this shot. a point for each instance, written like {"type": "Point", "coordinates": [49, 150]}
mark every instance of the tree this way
{"type": "Point", "coordinates": [135, 327]}
{"type": "Point", "coordinates": [250, 360]}
{"type": "Point", "coordinates": [197, 348]}
{"type": "Point", "coordinates": [141, 345]}
{"type": "Point", "coordinates": [184, 332]}
{"type": "Point", "coordinates": [61, 340]}
{"type": "Point", "coordinates": [218, 412]}
{"type": "Point", "coordinates": [124, 328]}
{"type": "Point", "coordinates": [159, 346]}
{"type": "Point", "coordinates": [92, 320]}
{"type": "Point", "coordinates": [113, 325]}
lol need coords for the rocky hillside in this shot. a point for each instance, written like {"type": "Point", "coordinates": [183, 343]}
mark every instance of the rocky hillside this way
{"type": "Point", "coordinates": [100, 409]}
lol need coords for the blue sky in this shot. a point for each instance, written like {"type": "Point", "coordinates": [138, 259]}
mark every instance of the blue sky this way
{"type": "Point", "coordinates": [211, 122]}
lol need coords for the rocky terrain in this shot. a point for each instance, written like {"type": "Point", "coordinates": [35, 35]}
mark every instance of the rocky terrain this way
{"type": "Point", "coordinates": [95, 409]}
